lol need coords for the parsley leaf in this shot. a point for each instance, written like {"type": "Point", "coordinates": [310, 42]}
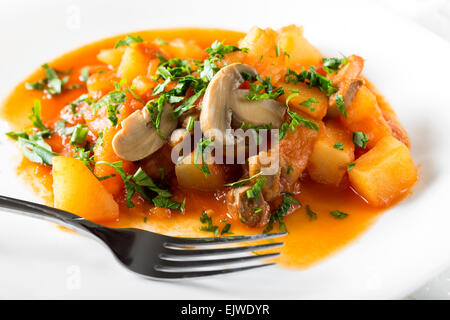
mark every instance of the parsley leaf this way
{"type": "Point", "coordinates": [360, 139]}
{"type": "Point", "coordinates": [295, 120]}
{"type": "Point", "coordinates": [312, 78]}
{"type": "Point", "coordinates": [128, 40]}
{"type": "Point", "coordinates": [331, 65]}
{"type": "Point", "coordinates": [339, 146]}
{"type": "Point", "coordinates": [340, 105]}
{"type": "Point", "coordinates": [255, 190]}
{"type": "Point", "coordinates": [312, 215]}
{"type": "Point", "coordinates": [264, 90]}
{"type": "Point", "coordinates": [339, 214]}
{"type": "Point", "coordinates": [240, 183]}
{"type": "Point", "coordinates": [309, 102]}
{"type": "Point", "coordinates": [35, 116]}
{"type": "Point", "coordinates": [350, 166]}
{"type": "Point", "coordinates": [205, 219]}
{"type": "Point", "coordinates": [282, 210]}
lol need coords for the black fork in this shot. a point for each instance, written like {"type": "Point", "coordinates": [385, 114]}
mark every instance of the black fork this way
{"type": "Point", "coordinates": [158, 256]}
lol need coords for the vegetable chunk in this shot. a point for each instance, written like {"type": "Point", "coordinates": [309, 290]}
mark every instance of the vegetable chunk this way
{"type": "Point", "coordinates": [333, 150]}
{"type": "Point", "coordinates": [300, 53]}
{"type": "Point", "coordinates": [364, 115]}
{"type": "Point", "coordinates": [78, 191]}
{"type": "Point", "coordinates": [384, 173]}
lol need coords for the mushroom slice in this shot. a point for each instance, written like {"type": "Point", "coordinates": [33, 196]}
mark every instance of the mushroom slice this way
{"type": "Point", "coordinates": [257, 113]}
{"type": "Point", "coordinates": [139, 138]}
{"type": "Point", "coordinates": [223, 101]}
{"type": "Point", "coordinates": [254, 213]}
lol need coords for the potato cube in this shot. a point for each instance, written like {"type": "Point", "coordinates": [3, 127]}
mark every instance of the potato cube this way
{"type": "Point", "coordinates": [305, 93]}
{"type": "Point", "coordinates": [134, 63]}
{"type": "Point", "coordinates": [183, 49]}
{"type": "Point", "coordinates": [364, 115]}
{"type": "Point", "coordinates": [78, 191]}
{"type": "Point", "coordinates": [111, 56]}
{"type": "Point", "coordinates": [190, 176]}
{"type": "Point", "coordinates": [384, 173]}
{"type": "Point", "coordinates": [333, 150]}
{"type": "Point", "coordinates": [300, 53]}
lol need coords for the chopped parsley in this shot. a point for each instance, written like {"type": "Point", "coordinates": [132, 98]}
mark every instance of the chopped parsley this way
{"type": "Point", "coordinates": [339, 146]}
{"type": "Point", "coordinates": [360, 139]}
{"type": "Point", "coordinates": [33, 144]}
{"type": "Point", "coordinates": [331, 65]}
{"type": "Point", "coordinates": [311, 214]}
{"type": "Point", "coordinates": [79, 134]}
{"type": "Point", "coordinates": [141, 183]}
{"type": "Point", "coordinates": [51, 83]}
{"type": "Point", "coordinates": [128, 40]}
{"type": "Point", "coordinates": [84, 74]}
{"type": "Point", "coordinates": [35, 115]}
{"type": "Point", "coordinates": [240, 183]}
{"type": "Point", "coordinates": [282, 210]}
{"type": "Point", "coordinates": [255, 190]}
{"type": "Point", "coordinates": [312, 78]}
{"type": "Point", "coordinates": [295, 120]}
{"type": "Point", "coordinates": [339, 214]}
{"type": "Point", "coordinates": [205, 219]}
{"type": "Point", "coordinates": [350, 166]}
{"type": "Point", "coordinates": [263, 90]}
{"type": "Point", "coordinates": [200, 150]}
{"type": "Point", "coordinates": [309, 102]}
{"type": "Point", "coordinates": [340, 105]}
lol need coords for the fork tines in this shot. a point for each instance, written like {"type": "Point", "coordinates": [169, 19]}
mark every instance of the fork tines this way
{"type": "Point", "coordinates": [182, 259]}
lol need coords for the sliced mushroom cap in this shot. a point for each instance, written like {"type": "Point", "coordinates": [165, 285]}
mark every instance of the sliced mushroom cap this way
{"type": "Point", "coordinates": [223, 101]}
{"type": "Point", "coordinates": [257, 113]}
{"type": "Point", "coordinates": [139, 138]}
{"type": "Point", "coordinates": [177, 136]}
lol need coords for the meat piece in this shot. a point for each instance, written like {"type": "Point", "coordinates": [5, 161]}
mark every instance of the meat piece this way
{"type": "Point", "coordinates": [295, 149]}
{"type": "Point", "coordinates": [251, 211]}
{"type": "Point", "coordinates": [270, 170]}
{"type": "Point", "coordinates": [347, 80]}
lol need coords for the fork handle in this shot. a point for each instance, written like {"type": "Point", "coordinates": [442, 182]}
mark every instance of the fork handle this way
{"type": "Point", "coordinates": [47, 213]}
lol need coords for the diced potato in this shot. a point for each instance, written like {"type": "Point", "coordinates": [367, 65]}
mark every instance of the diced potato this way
{"type": "Point", "coordinates": [328, 164]}
{"type": "Point", "coordinates": [364, 115]}
{"type": "Point", "coordinates": [100, 84]}
{"type": "Point", "coordinates": [143, 85]}
{"type": "Point", "coordinates": [134, 63]}
{"type": "Point", "coordinates": [300, 52]}
{"type": "Point", "coordinates": [78, 191]}
{"type": "Point", "coordinates": [262, 53]}
{"type": "Point", "coordinates": [183, 49]}
{"type": "Point", "coordinates": [105, 152]}
{"type": "Point", "coordinates": [305, 93]}
{"type": "Point", "coordinates": [384, 173]}
{"type": "Point", "coordinates": [191, 177]}
{"type": "Point", "coordinates": [111, 56]}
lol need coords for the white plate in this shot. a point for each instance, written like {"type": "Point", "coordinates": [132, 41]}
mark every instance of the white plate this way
{"type": "Point", "coordinates": [406, 247]}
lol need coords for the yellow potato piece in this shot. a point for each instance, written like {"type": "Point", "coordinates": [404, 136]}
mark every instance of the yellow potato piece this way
{"type": "Point", "coordinates": [328, 164]}
{"type": "Point", "coordinates": [384, 173]}
{"type": "Point", "coordinates": [111, 56]}
{"type": "Point", "coordinates": [78, 191]}
{"type": "Point", "coordinates": [134, 63]}
{"type": "Point", "coordinates": [300, 52]}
